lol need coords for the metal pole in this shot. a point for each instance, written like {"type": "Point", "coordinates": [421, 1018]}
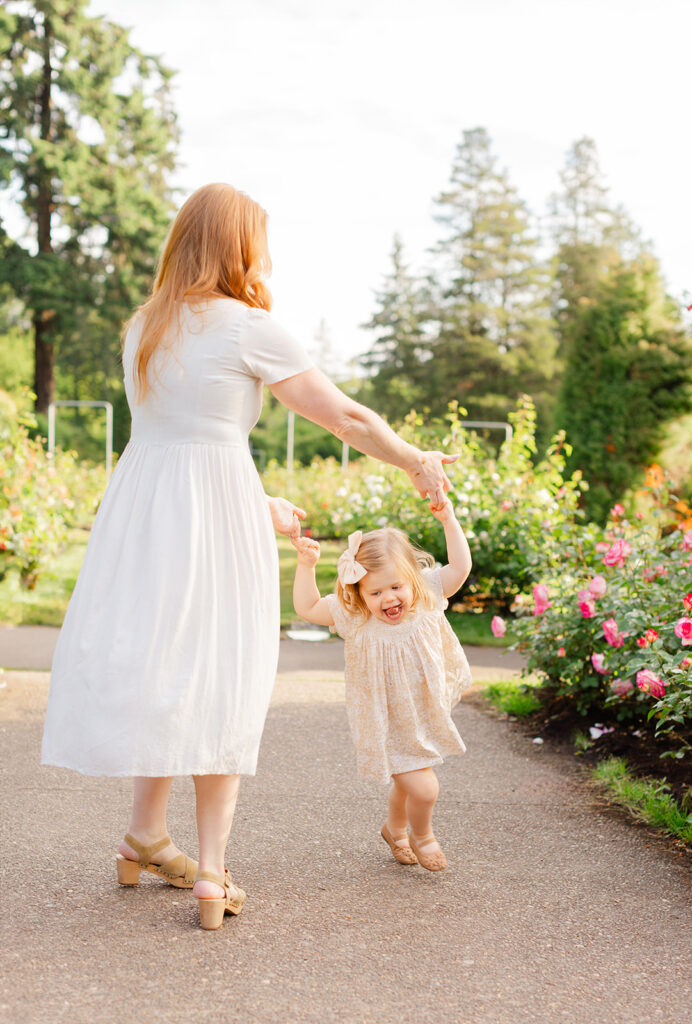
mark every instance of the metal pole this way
{"type": "Point", "coordinates": [490, 425]}
{"type": "Point", "coordinates": [290, 440]}
{"type": "Point", "coordinates": [51, 427]}
{"type": "Point", "coordinates": [89, 405]}
{"type": "Point", "coordinates": [344, 457]}
{"type": "Point", "coordinates": [109, 440]}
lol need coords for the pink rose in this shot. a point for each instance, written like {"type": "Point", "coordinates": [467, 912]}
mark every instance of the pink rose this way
{"type": "Point", "coordinates": [540, 599]}
{"type": "Point", "coordinates": [617, 553]}
{"type": "Point", "coordinates": [647, 638]}
{"type": "Point", "coordinates": [561, 652]}
{"type": "Point", "coordinates": [612, 634]}
{"type": "Point", "coordinates": [685, 663]}
{"type": "Point", "coordinates": [597, 662]}
{"type": "Point", "coordinates": [587, 608]}
{"type": "Point", "coordinates": [602, 545]}
{"type": "Point", "coordinates": [687, 602]}
{"type": "Point", "coordinates": [505, 505]}
{"type": "Point", "coordinates": [649, 682]}
{"type": "Point", "coordinates": [598, 586]}
{"type": "Point", "coordinates": [683, 629]}
{"type": "Point", "coordinates": [621, 687]}
{"type": "Point", "coordinates": [687, 540]}
{"type": "Point", "coordinates": [584, 595]}
{"type": "Point", "coordinates": [498, 626]}
{"type": "Point", "coordinates": [617, 511]}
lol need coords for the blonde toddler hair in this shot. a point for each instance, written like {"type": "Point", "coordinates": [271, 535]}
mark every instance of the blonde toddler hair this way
{"type": "Point", "coordinates": [378, 548]}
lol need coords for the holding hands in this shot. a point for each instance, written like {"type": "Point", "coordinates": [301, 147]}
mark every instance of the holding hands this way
{"type": "Point", "coordinates": [286, 516]}
{"type": "Point", "coordinates": [308, 550]}
{"type": "Point", "coordinates": [444, 512]}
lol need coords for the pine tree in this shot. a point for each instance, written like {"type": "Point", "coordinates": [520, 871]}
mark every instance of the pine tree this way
{"type": "Point", "coordinates": [627, 375]}
{"type": "Point", "coordinates": [398, 362]}
{"type": "Point", "coordinates": [89, 140]}
{"type": "Point", "coordinates": [490, 309]}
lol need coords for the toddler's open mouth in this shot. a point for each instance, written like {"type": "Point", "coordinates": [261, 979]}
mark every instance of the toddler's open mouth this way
{"type": "Point", "coordinates": [394, 613]}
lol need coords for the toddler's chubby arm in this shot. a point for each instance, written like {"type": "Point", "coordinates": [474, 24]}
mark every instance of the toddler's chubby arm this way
{"type": "Point", "coordinates": [306, 597]}
{"type": "Point", "coordinates": [458, 553]}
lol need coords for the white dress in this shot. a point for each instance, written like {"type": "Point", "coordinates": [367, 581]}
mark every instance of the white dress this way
{"type": "Point", "coordinates": [402, 680]}
{"type": "Point", "coordinates": [168, 652]}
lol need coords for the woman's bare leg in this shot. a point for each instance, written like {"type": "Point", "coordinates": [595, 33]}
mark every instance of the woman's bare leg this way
{"type": "Point", "coordinates": [216, 799]}
{"type": "Point", "coordinates": [148, 817]}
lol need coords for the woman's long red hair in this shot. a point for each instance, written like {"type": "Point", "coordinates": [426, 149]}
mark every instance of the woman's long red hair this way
{"type": "Point", "coordinates": [217, 246]}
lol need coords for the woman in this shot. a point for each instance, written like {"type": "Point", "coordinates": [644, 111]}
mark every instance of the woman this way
{"type": "Point", "coordinates": [167, 656]}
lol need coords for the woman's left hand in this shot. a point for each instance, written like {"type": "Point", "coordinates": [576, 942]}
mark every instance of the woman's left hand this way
{"type": "Point", "coordinates": [286, 516]}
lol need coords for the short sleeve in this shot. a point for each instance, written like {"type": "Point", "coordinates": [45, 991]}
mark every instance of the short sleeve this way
{"type": "Point", "coordinates": [268, 351]}
{"type": "Point", "coordinates": [343, 623]}
{"type": "Point", "coordinates": [433, 579]}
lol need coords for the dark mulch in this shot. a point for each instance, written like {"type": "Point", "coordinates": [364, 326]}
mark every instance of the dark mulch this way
{"type": "Point", "coordinates": [637, 744]}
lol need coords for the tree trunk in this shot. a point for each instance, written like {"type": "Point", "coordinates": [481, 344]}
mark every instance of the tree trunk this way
{"type": "Point", "coordinates": [44, 361]}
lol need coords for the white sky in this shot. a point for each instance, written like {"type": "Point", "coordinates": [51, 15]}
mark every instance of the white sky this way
{"type": "Point", "coordinates": [341, 118]}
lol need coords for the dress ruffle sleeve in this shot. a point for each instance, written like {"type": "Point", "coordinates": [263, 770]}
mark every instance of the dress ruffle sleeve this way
{"type": "Point", "coordinates": [343, 622]}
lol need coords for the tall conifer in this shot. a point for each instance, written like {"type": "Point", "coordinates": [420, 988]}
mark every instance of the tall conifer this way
{"type": "Point", "coordinates": [89, 140]}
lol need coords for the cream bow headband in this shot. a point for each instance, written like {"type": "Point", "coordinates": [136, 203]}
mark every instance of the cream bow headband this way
{"type": "Point", "coordinates": [347, 568]}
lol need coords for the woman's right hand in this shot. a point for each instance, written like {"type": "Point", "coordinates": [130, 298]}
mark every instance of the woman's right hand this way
{"type": "Point", "coordinates": [429, 478]}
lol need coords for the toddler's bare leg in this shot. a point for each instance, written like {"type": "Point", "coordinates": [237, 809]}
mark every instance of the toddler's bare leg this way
{"type": "Point", "coordinates": [421, 788]}
{"type": "Point", "coordinates": [397, 819]}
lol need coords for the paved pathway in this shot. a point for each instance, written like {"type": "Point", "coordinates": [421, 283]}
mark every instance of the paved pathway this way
{"type": "Point", "coordinates": [552, 910]}
{"type": "Point", "coordinates": [31, 647]}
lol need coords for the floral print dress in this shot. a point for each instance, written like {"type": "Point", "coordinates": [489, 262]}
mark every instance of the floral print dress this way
{"type": "Point", "coordinates": [402, 680]}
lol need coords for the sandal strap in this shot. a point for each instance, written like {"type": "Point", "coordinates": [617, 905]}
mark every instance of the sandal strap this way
{"type": "Point", "coordinates": [209, 876]}
{"type": "Point", "coordinates": [145, 853]}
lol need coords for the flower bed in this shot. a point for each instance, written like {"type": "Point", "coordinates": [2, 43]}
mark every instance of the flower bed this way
{"type": "Point", "coordinates": [41, 496]}
{"type": "Point", "coordinates": [609, 627]}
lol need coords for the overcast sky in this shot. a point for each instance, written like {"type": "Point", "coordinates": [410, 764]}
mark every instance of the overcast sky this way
{"type": "Point", "coordinates": [341, 118]}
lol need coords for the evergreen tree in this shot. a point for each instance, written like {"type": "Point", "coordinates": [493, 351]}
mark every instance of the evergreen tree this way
{"type": "Point", "coordinates": [397, 363]}
{"type": "Point", "coordinates": [627, 374]}
{"type": "Point", "coordinates": [590, 236]}
{"type": "Point", "coordinates": [88, 141]}
{"type": "Point", "coordinates": [490, 311]}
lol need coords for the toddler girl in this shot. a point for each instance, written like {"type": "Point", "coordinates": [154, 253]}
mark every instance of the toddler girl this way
{"type": "Point", "coordinates": [405, 668]}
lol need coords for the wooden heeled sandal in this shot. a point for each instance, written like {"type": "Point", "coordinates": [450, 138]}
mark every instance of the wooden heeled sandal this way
{"type": "Point", "coordinates": [211, 910]}
{"type": "Point", "coordinates": [180, 871]}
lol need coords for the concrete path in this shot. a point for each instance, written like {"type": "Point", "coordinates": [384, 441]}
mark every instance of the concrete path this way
{"type": "Point", "coordinates": [552, 910]}
{"type": "Point", "coordinates": [31, 647]}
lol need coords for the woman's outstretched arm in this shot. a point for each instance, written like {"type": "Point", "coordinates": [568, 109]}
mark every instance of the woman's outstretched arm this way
{"type": "Point", "coordinates": [315, 397]}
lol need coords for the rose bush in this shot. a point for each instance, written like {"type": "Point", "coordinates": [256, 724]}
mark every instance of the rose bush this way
{"type": "Point", "coordinates": [506, 501]}
{"type": "Point", "coordinates": [41, 496]}
{"type": "Point", "coordinates": [611, 631]}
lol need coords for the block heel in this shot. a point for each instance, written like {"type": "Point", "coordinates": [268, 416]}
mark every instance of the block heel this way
{"type": "Point", "coordinates": [128, 870]}
{"type": "Point", "coordinates": [211, 911]}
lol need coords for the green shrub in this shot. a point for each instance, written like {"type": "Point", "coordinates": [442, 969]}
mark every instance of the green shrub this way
{"type": "Point", "coordinates": [506, 502]}
{"type": "Point", "coordinates": [41, 495]}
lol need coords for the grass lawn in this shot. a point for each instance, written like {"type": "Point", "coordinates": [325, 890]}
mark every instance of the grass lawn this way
{"type": "Point", "coordinates": [46, 604]}
{"type": "Point", "coordinates": [514, 696]}
{"type": "Point", "coordinates": [645, 799]}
